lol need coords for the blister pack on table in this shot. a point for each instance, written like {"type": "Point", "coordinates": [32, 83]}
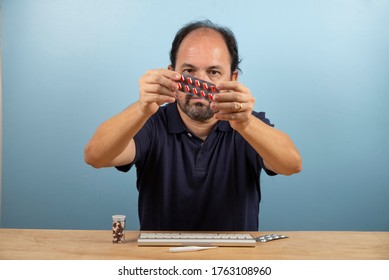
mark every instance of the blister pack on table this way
{"type": "Point", "coordinates": [270, 237]}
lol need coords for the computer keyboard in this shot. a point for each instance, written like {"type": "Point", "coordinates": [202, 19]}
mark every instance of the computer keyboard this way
{"type": "Point", "coordinates": [195, 239]}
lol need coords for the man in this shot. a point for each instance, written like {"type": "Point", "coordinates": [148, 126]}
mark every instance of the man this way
{"type": "Point", "coordinates": [198, 162]}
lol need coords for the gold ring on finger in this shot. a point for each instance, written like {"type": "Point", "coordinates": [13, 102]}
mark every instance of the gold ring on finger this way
{"type": "Point", "coordinates": [240, 108]}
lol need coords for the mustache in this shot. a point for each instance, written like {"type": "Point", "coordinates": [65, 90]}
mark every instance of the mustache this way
{"type": "Point", "coordinates": [189, 97]}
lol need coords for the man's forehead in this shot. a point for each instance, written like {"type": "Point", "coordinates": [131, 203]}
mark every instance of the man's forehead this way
{"type": "Point", "coordinates": [203, 48]}
{"type": "Point", "coordinates": [203, 39]}
{"type": "Point", "coordinates": [204, 31]}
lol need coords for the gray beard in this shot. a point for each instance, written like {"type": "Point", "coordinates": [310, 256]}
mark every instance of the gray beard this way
{"type": "Point", "coordinates": [198, 111]}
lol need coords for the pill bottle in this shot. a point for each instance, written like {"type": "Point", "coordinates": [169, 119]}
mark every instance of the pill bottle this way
{"type": "Point", "coordinates": [118, 228]}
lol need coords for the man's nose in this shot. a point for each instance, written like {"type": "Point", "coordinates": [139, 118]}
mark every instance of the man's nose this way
{"type": "Point", "coordinates": [203, 75]}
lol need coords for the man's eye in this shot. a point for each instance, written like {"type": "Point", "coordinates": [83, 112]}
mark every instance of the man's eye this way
{"type": "Point", "coordinates": [188, 71]}
{"type": "Point", "coordinates": [214, 73]}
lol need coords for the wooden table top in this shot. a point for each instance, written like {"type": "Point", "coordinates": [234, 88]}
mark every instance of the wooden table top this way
{"type": "Point", "coordinates": [42, 244]}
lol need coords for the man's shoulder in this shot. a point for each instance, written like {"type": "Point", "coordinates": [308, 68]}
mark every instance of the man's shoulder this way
{"type": "Point", "coordinates": [165, 110]}
{"type": "Point", "coordinates": [262, 116]}
{"type": "Point", "coordinates": [161, 114]}
{"type": "Point", "coordinates": [166, 118]}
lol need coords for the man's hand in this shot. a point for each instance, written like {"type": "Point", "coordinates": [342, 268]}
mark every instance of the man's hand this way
{"type": "Point", "coordinates": [156, 88]}
{"type": "Point", "coordinates": [234, 103]}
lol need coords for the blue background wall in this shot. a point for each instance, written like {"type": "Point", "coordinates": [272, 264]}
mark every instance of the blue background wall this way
{"type": "Point", "coordinates": [320, 69]}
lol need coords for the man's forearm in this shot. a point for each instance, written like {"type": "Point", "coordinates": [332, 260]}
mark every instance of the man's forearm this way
{"type": "Point", "coordinates": [275, 147]}
{"type": "Point", "coordinates": [112, 137]}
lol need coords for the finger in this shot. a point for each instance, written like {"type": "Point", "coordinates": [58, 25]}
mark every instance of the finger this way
{"type": "Point", "coordinates": [231, 86]}
{"type": "Point", "coordinates": [163, 77]}
{"type": "Point", "coordinates": [230, 96]}
{"type": "Point", "coordinates": [158, 89]}
{"type": "Point", "coordinates": [173, 75]}
{"type": "Point", "coordinates": [159, 81]}
{"type": "Point", "coordinates": [170, 74]}
{"type": "Point", "coordinates": [228, 116]}
{"type": "Point", "coordinates": [160, 99]}
{"type": "Point", "coordinates": [229, 107]}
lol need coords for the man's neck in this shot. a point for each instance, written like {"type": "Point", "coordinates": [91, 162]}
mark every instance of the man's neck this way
{"type": "Point", "coordinates": [200, 129]}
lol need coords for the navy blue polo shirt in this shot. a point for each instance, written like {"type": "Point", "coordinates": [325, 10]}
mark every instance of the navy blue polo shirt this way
{"type": "Point", "coordinates": [185, 183]}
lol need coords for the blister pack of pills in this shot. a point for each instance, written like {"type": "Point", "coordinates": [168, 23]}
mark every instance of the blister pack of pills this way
{"type": "Point", "coordinates": [270, 237]}
{"type": "Point", "coordinates": [197, 87]}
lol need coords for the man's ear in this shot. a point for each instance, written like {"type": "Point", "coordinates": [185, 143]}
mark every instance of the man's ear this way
{"type": "Point", "coordinates": [234, 75]}
{"type": "Point", "coordinates": [170, 67]}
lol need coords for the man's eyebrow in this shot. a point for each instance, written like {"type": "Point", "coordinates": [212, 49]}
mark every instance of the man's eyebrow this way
{"type": "Point", "coordinates": [218, 67]}
{"type": "Point", "coordinates": [188, 65]}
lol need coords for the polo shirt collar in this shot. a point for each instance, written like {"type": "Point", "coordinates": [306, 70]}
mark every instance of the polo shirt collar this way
{"type": "Point", "coordinates": [176, 125]}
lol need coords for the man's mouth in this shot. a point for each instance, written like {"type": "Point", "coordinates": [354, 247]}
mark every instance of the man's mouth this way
{"type": "Point", "coordinates": [199, 100]}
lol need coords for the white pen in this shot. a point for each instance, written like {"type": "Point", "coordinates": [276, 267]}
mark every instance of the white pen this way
{"type": "Point", "coordinates": [189, 249]}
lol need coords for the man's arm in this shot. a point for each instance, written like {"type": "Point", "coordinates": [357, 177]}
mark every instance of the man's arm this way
{"type": "Point", "coordinates": [235, 104]}
{"type": "Point", "coordinates": [112, 144]}
{"type": "Point", "coordinates": [275, 147]}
